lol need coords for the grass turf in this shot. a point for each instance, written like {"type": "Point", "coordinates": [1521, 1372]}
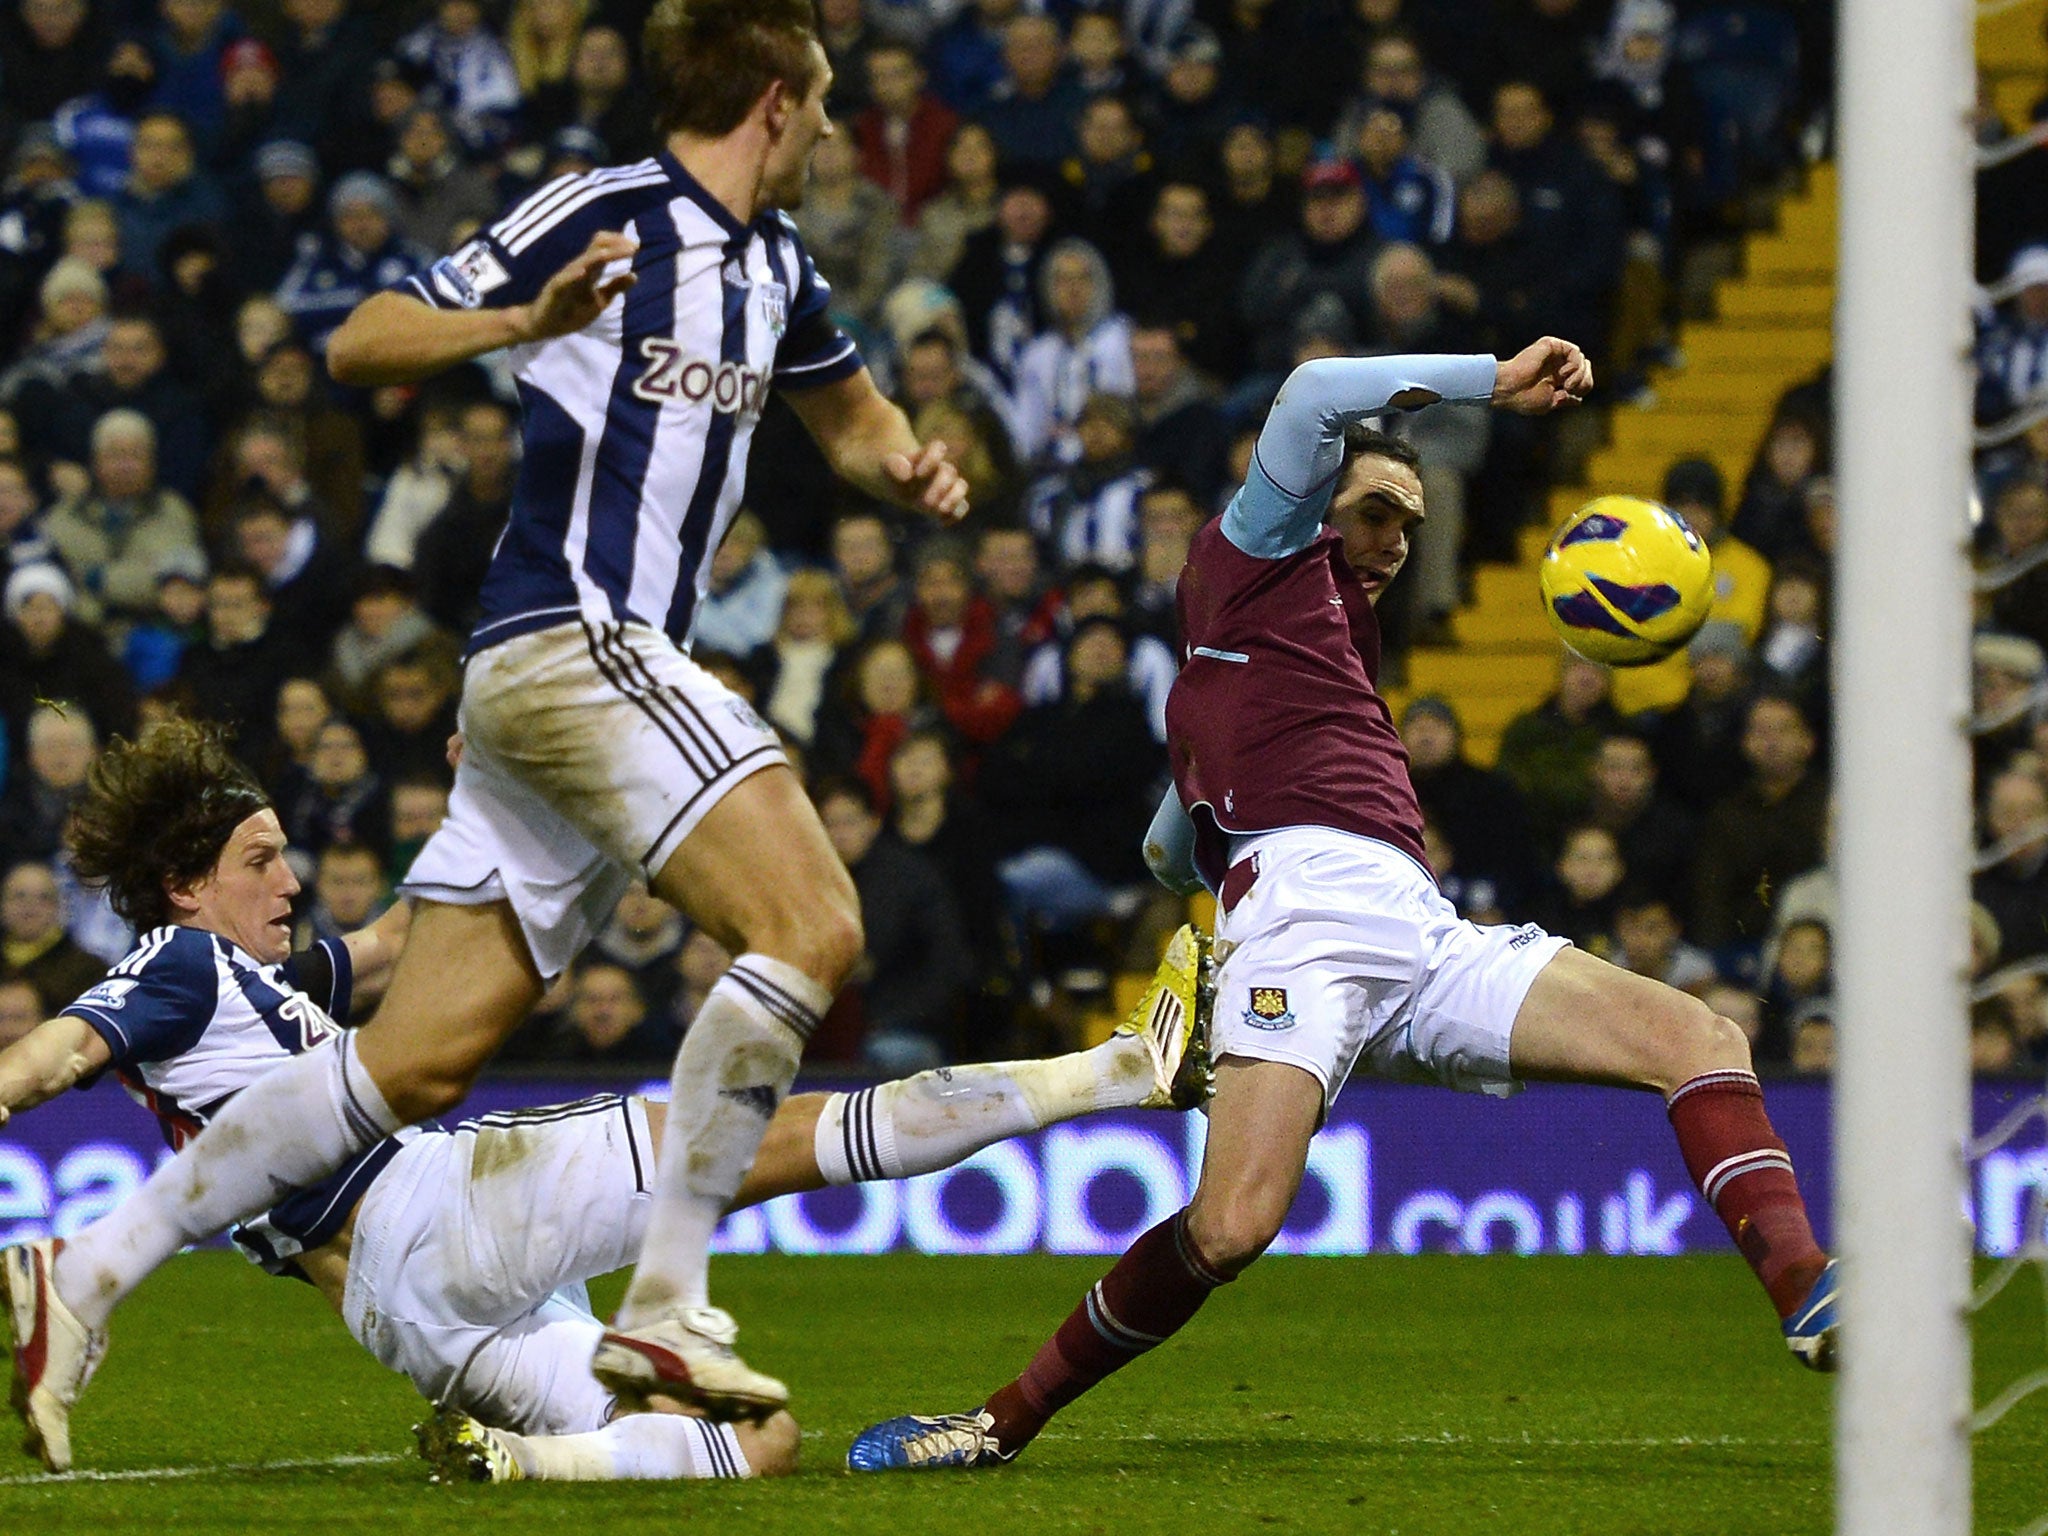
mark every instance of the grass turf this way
{"type": "Point", "coordinates": [1385, 1395]}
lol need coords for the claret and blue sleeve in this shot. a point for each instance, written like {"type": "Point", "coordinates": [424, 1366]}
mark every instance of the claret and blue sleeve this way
{"type": "Point", "coordinates": [1294, 467]}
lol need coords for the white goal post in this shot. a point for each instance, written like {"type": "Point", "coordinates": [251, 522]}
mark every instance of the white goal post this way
{"type": "Point", "coordinates": [1906, 84]}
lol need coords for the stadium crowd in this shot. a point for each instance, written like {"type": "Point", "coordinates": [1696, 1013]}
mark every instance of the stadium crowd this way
{"type": "Point", "coordinates": [1082, 244]}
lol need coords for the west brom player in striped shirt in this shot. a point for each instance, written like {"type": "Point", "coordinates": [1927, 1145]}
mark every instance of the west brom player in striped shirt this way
{"type": "Point", "coordinates": [459, 1258]}
{"type": "Point", "coordinates": [648, 309]}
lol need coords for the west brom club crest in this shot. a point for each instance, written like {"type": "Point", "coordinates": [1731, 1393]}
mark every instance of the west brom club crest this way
{"type": "Point", "coordinates": [1269, 1009]}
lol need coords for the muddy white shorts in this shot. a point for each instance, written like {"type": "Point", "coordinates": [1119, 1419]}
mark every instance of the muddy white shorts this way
{"type": "Point", "coordinates": [1342, 951]}
{"type": "Point", "coordinates": [590, 752]}
{"type": "Point", "coordinates": [466, 1271]}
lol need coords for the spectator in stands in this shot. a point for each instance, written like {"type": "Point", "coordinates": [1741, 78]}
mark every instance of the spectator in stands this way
{"type": "Point", "coordinates": [1693, 488]}
{"type": "Point", "coordinates": [1655, 834]}
{"type": "Point", "coordinates": [235, 675]}
{"type": "Point", "coordinates": [1280, 63]}
{"type": "Point", "coordinates": [740, 612]}
{"type": "Point", "coordinates": [699, 966]}
{"type": "Point", "coordinates": [1772, 517]}
{"type": "Point", "coordinates": [21, 536]}
{"type": "Point", "coordinates": [1549, 751]}
{"type": "Point", "coordinates": [325, 55]}
{"type": "Point", "coordinates": [849, 227]}
{"type": "Point", "coordinates": [166, 188]}
{"type": "Point", "coordinates": [1180, 425]}
{"type": "Point", "coordinates": [418, 807]}
{"type": "Point", "coordinates": [1095, 50]}
{"type": "Point", "coordinates": [885, 699]}
{"type": "Point", "coordinates": [541, 37]}
{"type": "Point", "coordinates": [35, 196]}
{"type": "Point", "coordinates": [2018, 560]}
{"type": "Point", "coordinates": [848, 36]}
{"type": "Point", "coordinates": [1476, 898]}
{"type": "Point", "coordinates": [963, 207]}
{"type": "Point", "coordinates": [1329, 255]}
{"type": "Point", "coordinates": [1031, 113]}
{"type": "Point", "coordinates": [360, 253]}
{"type": "Point", "coordinates": [2014, 889]}
{"type": "Point", "coordinates": [436, 193]}
{"type": "Point", "coordinates": [1585, 890]}
{"type": "Point", "coordinates": [1169, 517]}
{"type": "Point", "coordinates": [1087, 514]}
{"type": "Point", "coordinates": [1698, 745]}
{"type": "Point", "coordinates": [2008, 673]}
{"type": "Point", "coordinates": [48, 654]}
{"type": "Point", "coordinates": [1649, 941]}
{"type": "Point", "coordinates": [644, 938]}
{"type": "Point", "coordinates": [306, 576]}
{"type": "Point", "coordinates": [951, 633]}
{"type": "Point", "coordinates": [472, 67]}
{"type": "Point", "coordinates": [132, 376]}
{"type": "Point", "coordinates": [415, 696]}
{"type": "Point", "coordinates": [1068, 786]}
{"type": "Point", "coordinates": [348, 893]}
{"type": "Point", "coordinates": [385, 622]}
{"type": "Point", "coordinates": [1027, 608]}
{"type": "Point", "coordinates": [1813, 1040]}
{"type": "Point", "coordinates": [1764, 833]}
{"type": "Point", "coordinates": [1110, 180]}
{"type": "Point", "coordinates": [1478, 811]}
{"type": "Point", "coordinates": [1793, 650]}
{"type": "Point", "coordinates": [21, 1005]}
{"type": "Point", "coordinates": [1441, 131]}
{"type": "Point", "coordinates": [249, 77]}
{"type": "Point", "coordinates": [113, 538]}
{"type": "Point", "coordinates": [601, 96]}
{"type": "Point", "coordinates": [609, 1022]}
{"type": "Point", "coordinates": [917, 966]}
{"type": "Point", "coordinates": [937, 370]}
{"type": "Point", "coordinates": [267, 457]}
{"type": "Point", "coordinates": [966, 55]}
{"type": "Point", "coordinates": [155, 647]}
{"type": "Point", "coordinates": [1187, 280]}
{"type": "Point", "coordinates": [1411, 200]}
{"type": "Point", "coordinates": [864, 560]}
{"type": "Point", "coordinates": [33, 944]}
{"type": "Point", "coordinates": [998, 276]}
{"type": "Point", "coordinates": [71, 324]}
{"type": "Point", "coordinates": [1095, 594]}
{"type": "Point", "coordinates": [341, 799]}
{"type": "Point", "coordinates": [810, 634]}
{"type": "Point", "coordinates": [1084, 351]}
{"type": "Point", "coordinates": [419, 487]}
{"type": "Point", "coordinates": [302, 708]}
{"type": "Point", "coordinates": [96, 128]}
{"type": "Point", "coordinates": [2012, 343]}
{"type": "Point", "coordinates": [1190, 112]}
{"type": "Point", "coordinates": [454, 550]}
{"type": "Point", "coordinates": [1797, 985]}
{"type": "Point", "coordinates": [905, 131]}
{"type": "Point", "coordinates": [60, 751]}
{"type": "Point", "coordinates": [1573, 220]}
{"type": "Point", "coordinates": [933, 817]}
{"type": "Point", "coordinates": [50, 52]}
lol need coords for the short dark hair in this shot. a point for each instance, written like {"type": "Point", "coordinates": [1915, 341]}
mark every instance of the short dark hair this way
{"type": "Point", "coordinates": [156, 813]}
{"type": "Point", "coordinates": [843, 787]}
{"type": "Point", "coordinates": [1359, 441]}
{"type": "Point", "coordinates": [239, 570]}
{"type": "Point", "coordinates": [708, 61]}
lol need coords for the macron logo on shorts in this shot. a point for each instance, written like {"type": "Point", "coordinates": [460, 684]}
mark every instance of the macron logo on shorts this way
{"type": "Point", "coordinates": [1269, 1009]}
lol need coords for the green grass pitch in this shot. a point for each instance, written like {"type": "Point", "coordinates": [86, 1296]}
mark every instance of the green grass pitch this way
{"type": "Point", "coordinates": [1411, 1395]}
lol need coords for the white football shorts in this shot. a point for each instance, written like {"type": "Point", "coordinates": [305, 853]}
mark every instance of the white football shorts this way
{"type": "Point", "coordinates": [466, 1272]}
{"type": "Point", "coordinates": [1344, 951]}
{"type": "Point", "coordinates": [590, 752]}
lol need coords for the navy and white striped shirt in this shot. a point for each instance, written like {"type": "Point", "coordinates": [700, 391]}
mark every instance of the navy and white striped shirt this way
{"type": "Point", "coordinates": [636, 428]}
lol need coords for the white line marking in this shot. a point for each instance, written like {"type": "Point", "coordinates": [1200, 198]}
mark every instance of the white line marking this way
{"type": "Point", "coordinates": [172, 1474]}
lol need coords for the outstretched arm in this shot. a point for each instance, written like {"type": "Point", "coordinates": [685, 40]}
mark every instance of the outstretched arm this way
{"type": "Point", "coordinates": [868, 442]}
{"type": "Point", "coordinates": [1301, 448]}
{"type": "Point", "coordinates": [57, 1054]}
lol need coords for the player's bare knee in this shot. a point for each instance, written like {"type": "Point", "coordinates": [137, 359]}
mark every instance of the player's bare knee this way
{"type": "Point", "coordinates": [772, 1446]}
{"type": "Point", "coordinates": [1702, 1041]}
{"type": "Point", "coordinates": [430, 1089]}
{"type": "Point", "coordinates": [1232, 1232]}
{"type": "Point", "coordinates": [823, 939]}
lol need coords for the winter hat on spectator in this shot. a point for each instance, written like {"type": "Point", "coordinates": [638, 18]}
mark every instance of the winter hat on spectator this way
{"type": "Point", "coordinates": [2014, 655]}
{"type": "Point", "coordinates": [2029, 269]}
{"type": "Point", "coordinates": [71, 275]}
{"type": "Point", "coordinates": [247, 53]}
{"type": "Point", "coordinates": [1325, 318]}
{"type": "Point", "coordinates": [38, 141]}
{"type": "Point", "coordinates": [1330, 173]}
{"type": "Point", "coordinates": [182, 565]}
{"type": "Point", "coordinates": [1695, 482]}
{"type": "Point", "coordinates": [580, 142]}
{"type": "Point", "coordinates": [1719, 637]}
{"type": "Point", "coordinates": [360, 187]}
{"type": "Point", "coordinates": [1432, 704]}
{"type": "Point", "coordinates": [287, 157]}
{"type": "Point", "coordinates": [49, 580]}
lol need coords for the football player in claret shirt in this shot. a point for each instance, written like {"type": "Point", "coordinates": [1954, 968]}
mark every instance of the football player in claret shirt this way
{"type": "Point", "coordinates": [459, 1257]}
{"type": "Point", "coordinates": [1292, 802]}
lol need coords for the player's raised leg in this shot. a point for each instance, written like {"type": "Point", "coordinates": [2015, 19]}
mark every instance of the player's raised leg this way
{"type": "Point", "coordinates": [1587, 1021]}
{"type": "Point", "coordinates": [758, 874]}
{"type": "Point", "coordinates": [1260, 1122]}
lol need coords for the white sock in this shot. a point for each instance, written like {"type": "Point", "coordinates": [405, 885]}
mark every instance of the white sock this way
{"type": "Point", "coordinates": [735, 1066]}
{"type": "Point", "coordinates": [649, 1447]}
{"type": "Point", "coordinates": [291, 1127]}
{"type": "Point", "coordinates": [935, 1119]}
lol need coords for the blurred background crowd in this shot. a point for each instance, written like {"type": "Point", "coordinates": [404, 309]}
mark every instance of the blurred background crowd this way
{"type": "Point", "coordinates": [1083, 244]}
